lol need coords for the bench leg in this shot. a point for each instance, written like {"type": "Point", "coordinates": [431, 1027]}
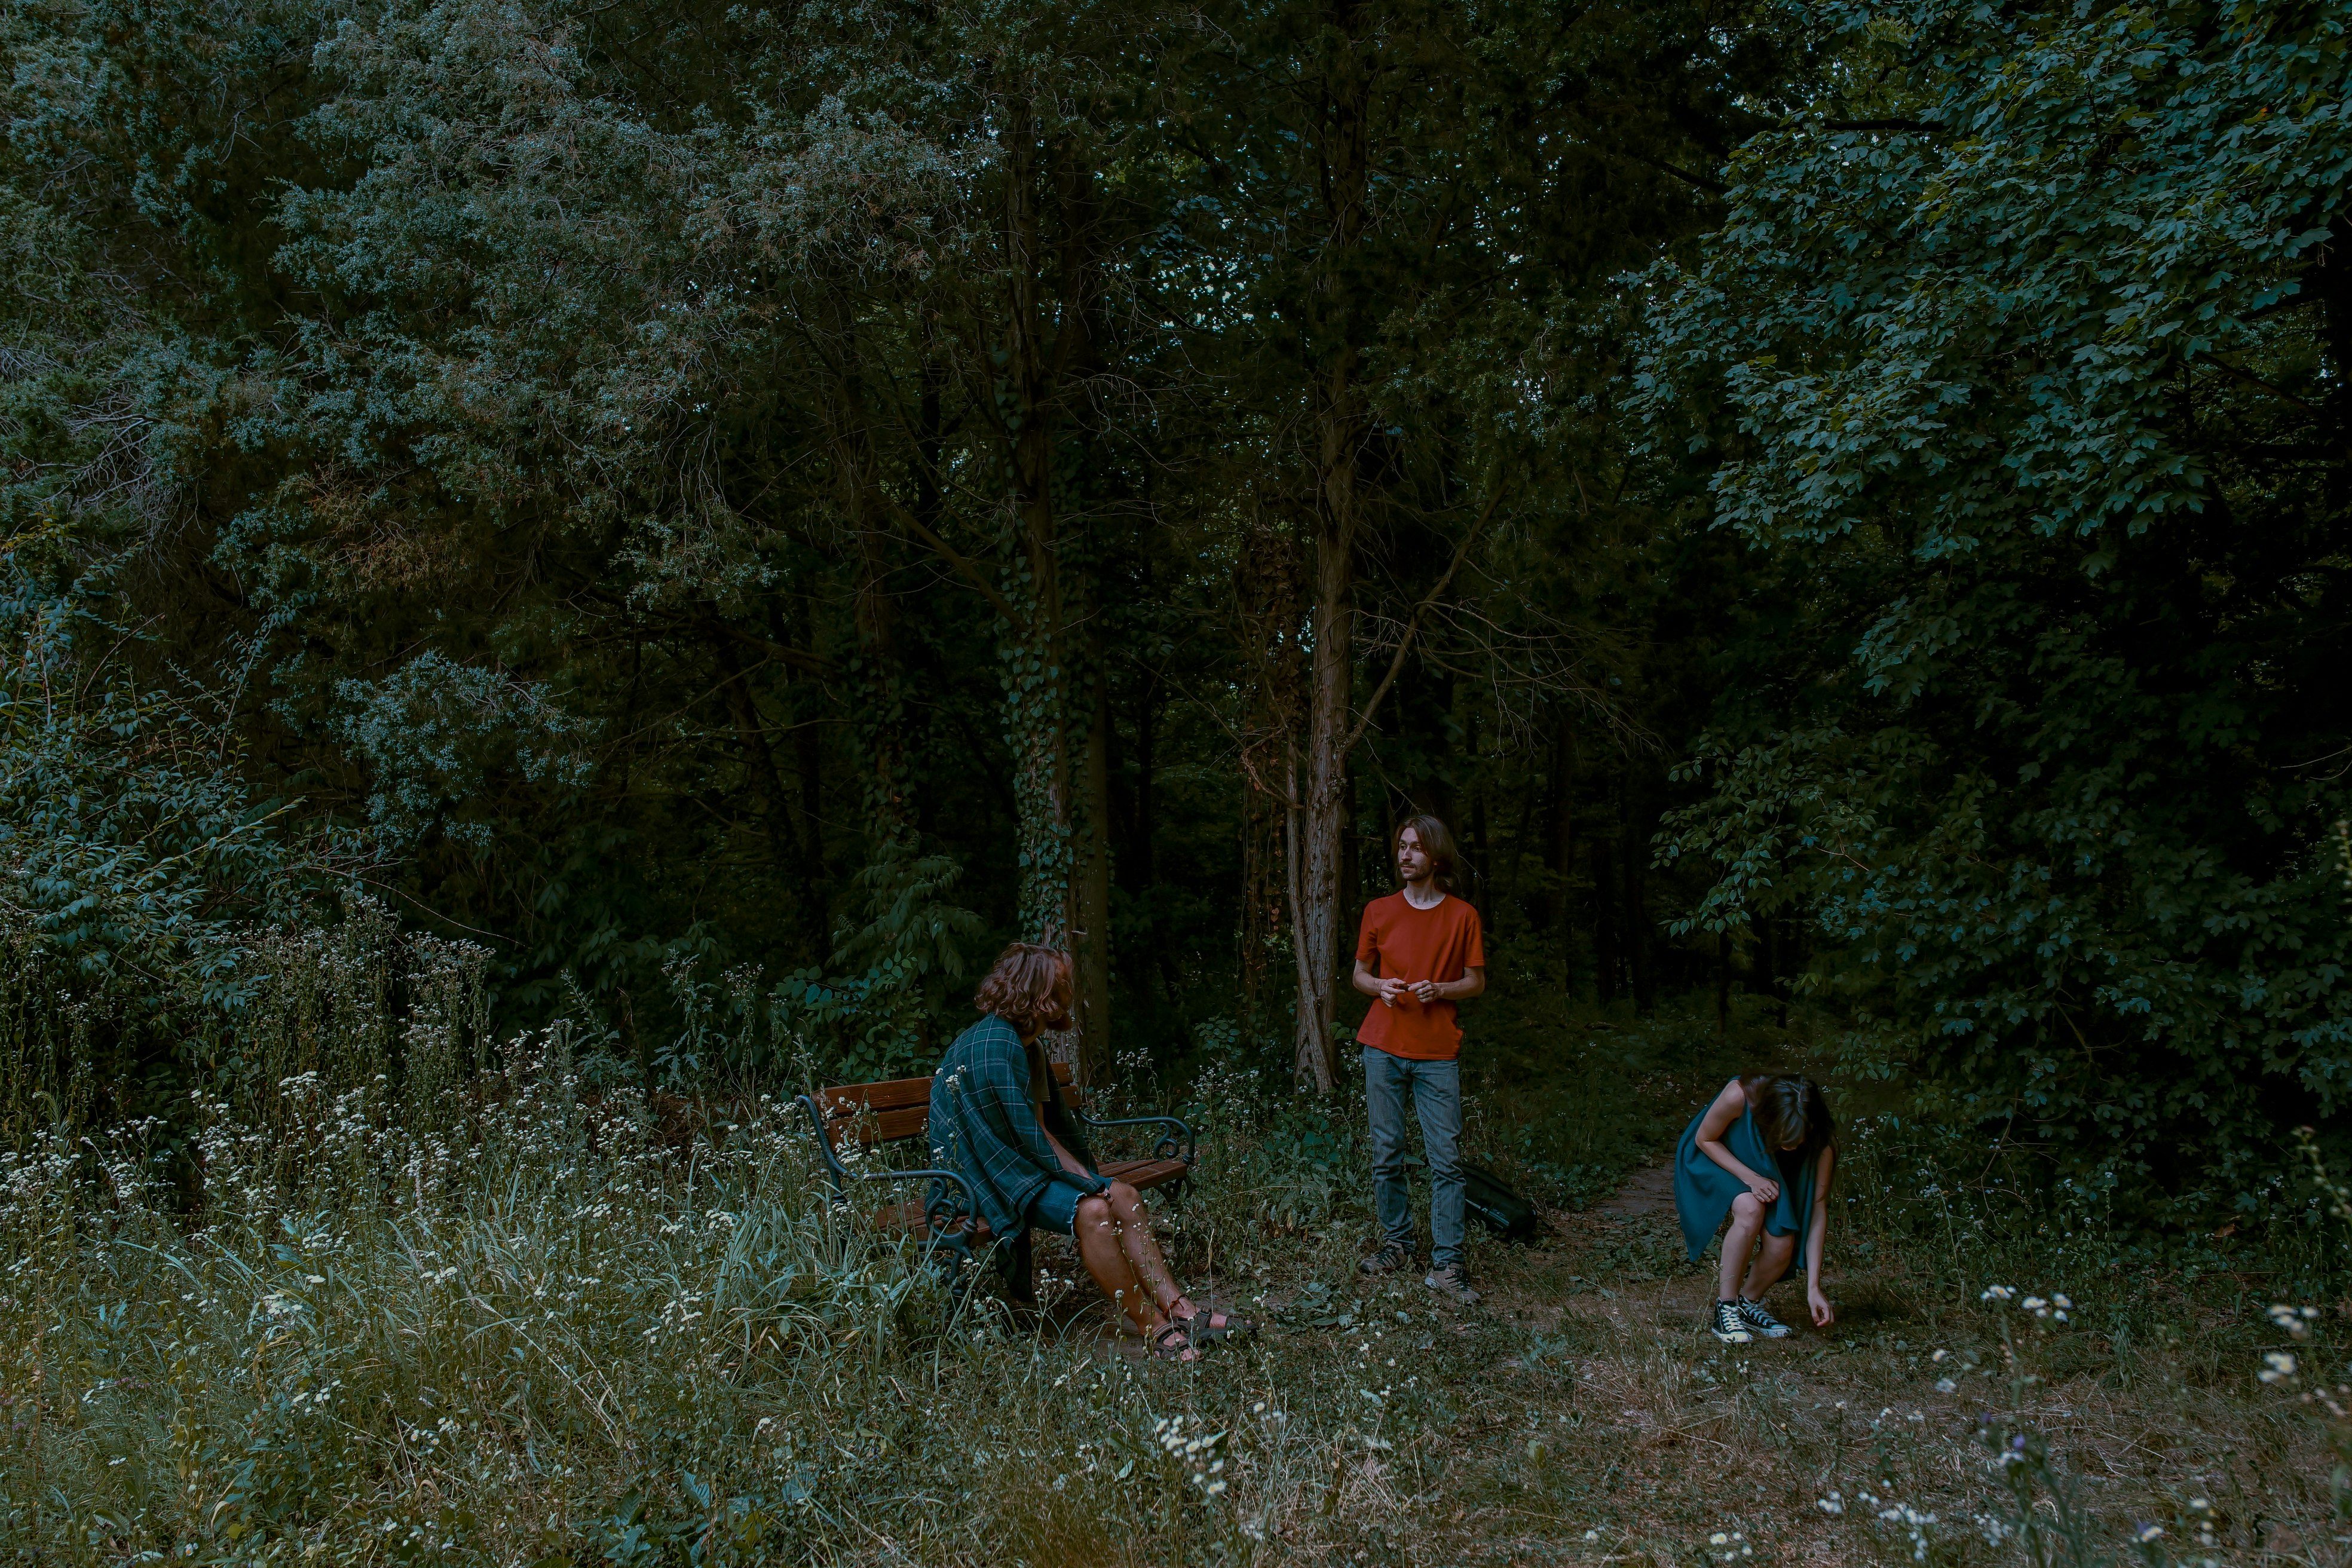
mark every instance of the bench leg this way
{"type": "Point", "coordinates": [1020, 1265]}
{"type": "Point", "coordinates": [953, 1261]}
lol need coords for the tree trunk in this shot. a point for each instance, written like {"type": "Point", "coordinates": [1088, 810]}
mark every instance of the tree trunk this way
{"type": "Point", "coordinates": [1145, 869]}
{"type": "Point", "coordinates": [1479, 863]}
{"type": "Point", "coordinates": [808, 768]}
{"type": "Point", "coordinates": [759, 758]}
{"type": "Point", "coordinates": [1563, 903]}
{"type": "Point", "coordinates": [1035, 672]}
{"type": "Point", "coordinates": [1090, 895]}
{"type": "Point", "coordinates": [1267, 587]}
{"type": "Point", "coordinates": [1319, 820]}
{"type": "Point", "coordinates": [881, 716]}
{"type": "Point", "coordinates": [1138, 864]}
{"type": "Point", "coordinates": [1638, 937]}
{"type": "Point", "coordinates": [1321, 830]}
{"type": "Point", "coordinates": [1605, 965]}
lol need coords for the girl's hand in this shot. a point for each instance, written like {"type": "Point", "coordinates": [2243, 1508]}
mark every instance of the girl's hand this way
{"type": "Point", "coordinates": [1766, 1192]}
{"type": "Point", "coordinates": [1823, 1314]}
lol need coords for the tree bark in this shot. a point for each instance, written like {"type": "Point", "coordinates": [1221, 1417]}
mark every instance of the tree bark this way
{"type": "Point", "coordinates": [1638, 937]}
{"type": "Point", "coordinates": [1320, 815]}
{"type": "Point", "coordinates": [1605, 965]}
{"type": "Point", "coordinates": [881, 703]}
{"type": "Point", "coordinates": [759, 758]}
{"type": "Point", "coordinates": [1271, 596]}
{"type": "Point", "coordinates": [1035, 684]}
{"type": "Point", "coordinates": [1090, 911]}
{"type": "Point", "coordinates": [1479, 893]}
{"type": "Point", "coordinates": [1563, 903]}
{"type": "Point", "coordinates": [1321, 830]}
{"type": "Point", "coordinates": [808, 769]}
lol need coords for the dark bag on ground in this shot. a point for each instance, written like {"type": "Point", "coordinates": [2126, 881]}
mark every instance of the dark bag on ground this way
{"type": "Point", "coordinates": [1497, 1208]}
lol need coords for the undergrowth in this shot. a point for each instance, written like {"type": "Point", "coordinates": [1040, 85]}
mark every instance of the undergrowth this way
{"type": "Point", "coordinates": [556, 1324]}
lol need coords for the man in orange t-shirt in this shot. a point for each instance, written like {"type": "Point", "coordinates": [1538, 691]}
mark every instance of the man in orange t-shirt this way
{"type": "Point", "coordinates": [1419, 952]}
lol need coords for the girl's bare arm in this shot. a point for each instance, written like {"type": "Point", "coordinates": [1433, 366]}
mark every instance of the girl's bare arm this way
{"type": "Point", "coordinates": [1727, 1109]}
{"type": "Point", "coordinates": [1817, 1241]}
{"type": "Point", "coordinates": [1069, 1161]}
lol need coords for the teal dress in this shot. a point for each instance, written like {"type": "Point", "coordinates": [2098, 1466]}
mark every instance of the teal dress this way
{"type": "Point", "coordinates": [1704, 1190]}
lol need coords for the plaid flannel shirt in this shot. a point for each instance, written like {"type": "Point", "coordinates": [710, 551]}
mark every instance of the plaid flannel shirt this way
{"type": "Point", "coordinates": [983, 1125]}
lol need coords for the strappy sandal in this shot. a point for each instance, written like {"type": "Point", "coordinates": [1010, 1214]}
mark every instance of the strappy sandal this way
{"type": "Point", "coordinates": [1182, 1348]}
{"type": "Point", "coordinates": [1202, 1332]}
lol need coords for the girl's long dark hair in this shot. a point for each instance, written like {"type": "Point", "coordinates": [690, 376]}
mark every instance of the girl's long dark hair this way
{"type": "Point", "coordinates": [1792, 1109]}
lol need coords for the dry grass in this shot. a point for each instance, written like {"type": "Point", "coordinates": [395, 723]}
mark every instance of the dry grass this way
{"type": "Point", "coordinates": [1581, 1414]}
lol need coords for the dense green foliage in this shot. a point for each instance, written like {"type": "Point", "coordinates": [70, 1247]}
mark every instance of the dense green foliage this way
{"type": "Point", "coordinates": [2032, 372]}
{"type": "Point", "coordinates": [737, 512]}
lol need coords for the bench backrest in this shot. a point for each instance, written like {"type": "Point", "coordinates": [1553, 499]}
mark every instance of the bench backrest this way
{"type": "Point", "coordinates": [901, 1107]}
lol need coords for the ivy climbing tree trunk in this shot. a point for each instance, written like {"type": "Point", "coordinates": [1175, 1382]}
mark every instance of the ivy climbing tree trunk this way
{"type": "Point", "coordinates": [1091, 888]}
{"type": "Point", "coordinates": [1036, 663]}
{"type": "Point", "coordinates": [1057, 715]}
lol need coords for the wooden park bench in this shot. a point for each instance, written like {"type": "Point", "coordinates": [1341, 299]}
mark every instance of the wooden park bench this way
{"type": "Point", "coordinates": [945, 1220]}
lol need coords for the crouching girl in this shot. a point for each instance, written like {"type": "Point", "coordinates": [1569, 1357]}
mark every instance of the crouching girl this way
{"type": "Point", "coordinates": [1762, 1154]}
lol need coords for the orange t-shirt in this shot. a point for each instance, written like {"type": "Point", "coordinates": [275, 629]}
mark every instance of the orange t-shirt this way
{"type": "Point", "coordinates": [1402, 942]}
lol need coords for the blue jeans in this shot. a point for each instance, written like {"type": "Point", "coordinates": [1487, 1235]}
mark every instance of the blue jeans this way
{"type": "Point", "coordinates": [1435, 1088]}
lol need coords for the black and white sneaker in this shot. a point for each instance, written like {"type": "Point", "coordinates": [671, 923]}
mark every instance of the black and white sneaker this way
{"type": "Point", "coordinates": [1753, 1314]}
{"type": "Point", "coordinates": [1729, 1326]}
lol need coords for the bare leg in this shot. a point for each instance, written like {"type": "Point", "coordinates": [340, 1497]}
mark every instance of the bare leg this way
{"type": "Point", "coordinates": [1142, 1250]}
{"type": "Point", "coordinates": [1097, 1235]}
{"type": "Point", "coordinates": [1771, 1261]}
{"type": "Point", "coordinates": [1747, 1219]}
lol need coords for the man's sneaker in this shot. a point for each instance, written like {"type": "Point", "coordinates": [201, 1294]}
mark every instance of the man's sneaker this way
{"type": "Point", "coordinates": [1452, 1282]}
{"type": "Point", "coordinates": [1729, 1326]}
{"type": "Point", "coordinates": [1393, 1257]}
{"type": "Point", "coordinates": [1753, 1314]}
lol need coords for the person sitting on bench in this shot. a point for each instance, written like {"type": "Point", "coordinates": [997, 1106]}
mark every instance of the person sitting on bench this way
{"type": "Point", "coordinates": [998, 1118]}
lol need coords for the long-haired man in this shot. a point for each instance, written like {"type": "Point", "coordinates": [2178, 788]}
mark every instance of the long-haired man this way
{"type": "Point", "coordinates": [1419, 951]}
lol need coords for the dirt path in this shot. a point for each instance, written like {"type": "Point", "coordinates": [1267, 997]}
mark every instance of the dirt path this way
{"type": "Point", "coordinates": [1646, 1192]}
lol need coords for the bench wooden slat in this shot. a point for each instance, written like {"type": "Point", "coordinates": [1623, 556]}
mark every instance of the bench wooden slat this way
{"type": "Point", "coordinates": [887, 1126]}
{"type": "Point", "coordinates": [1145, 1175]}
{"type": "Point", "coordinates": [901, 1107]}
{"type": "Point", "coordinates": [909, 1215]}
{"type": "Point", "coordinates": [898, 1094]}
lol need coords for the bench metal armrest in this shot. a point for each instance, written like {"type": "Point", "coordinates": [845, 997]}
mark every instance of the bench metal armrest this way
{"type": "Point", "coordinates": [941, 1208]}
{"type": "Point", "coordinates": [1166, 1148]}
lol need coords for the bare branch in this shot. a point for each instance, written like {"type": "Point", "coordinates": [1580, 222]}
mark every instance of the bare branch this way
{"type": "Point", "coordinates": [1412, 623]}
{"type": "Point", "coordinates": [965, 566]}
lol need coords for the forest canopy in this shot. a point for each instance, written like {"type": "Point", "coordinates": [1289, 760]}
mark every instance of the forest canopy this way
{"type": "Point", "coordinates": [723, 516]}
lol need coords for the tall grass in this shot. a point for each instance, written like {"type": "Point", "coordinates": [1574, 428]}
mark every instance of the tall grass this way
{"type": "Point", "coordinates": [548, 1331]}
{"type": "Point", "coordinates": [533, 1319]}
